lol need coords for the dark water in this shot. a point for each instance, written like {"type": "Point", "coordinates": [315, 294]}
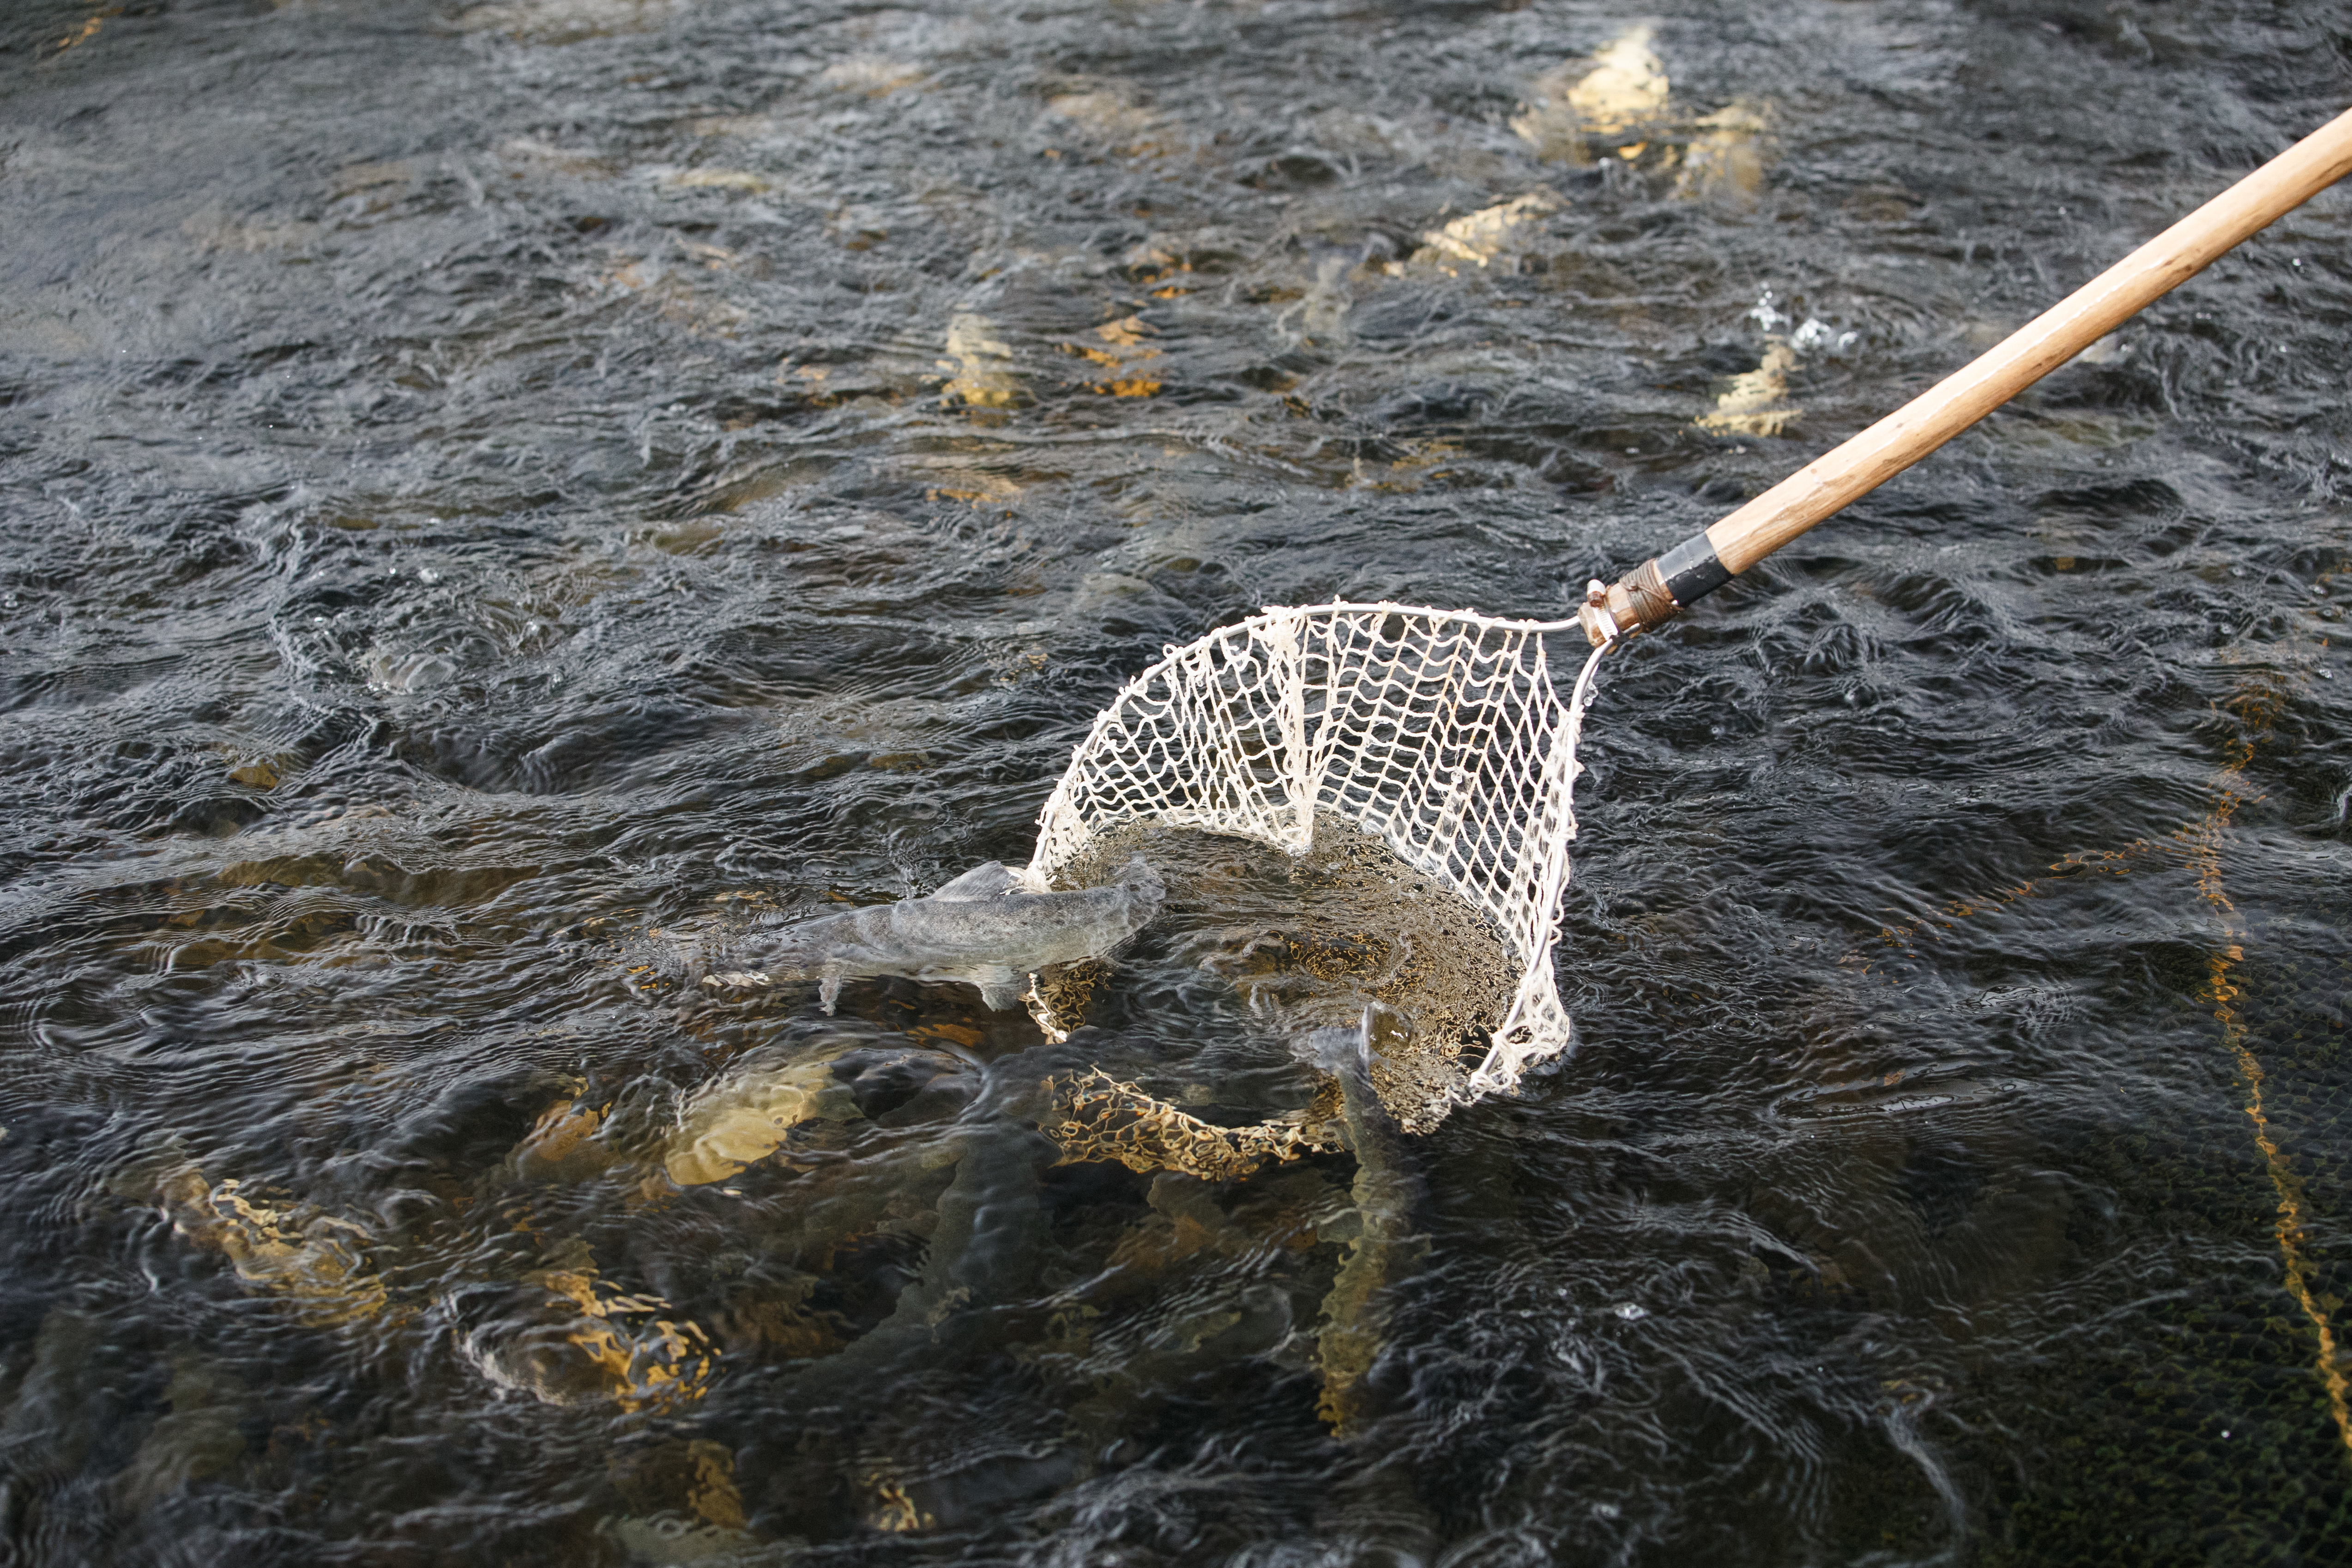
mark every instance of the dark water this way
{"type": "Point", "coordinates": [476, 478]}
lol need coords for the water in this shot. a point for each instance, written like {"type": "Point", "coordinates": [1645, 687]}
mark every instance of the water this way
{"type": "Point", "coordinates": [476, 478]}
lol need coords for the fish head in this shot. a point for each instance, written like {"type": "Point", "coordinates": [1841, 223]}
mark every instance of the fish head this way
{"type": "Point", "coordinates": [1146, 891]}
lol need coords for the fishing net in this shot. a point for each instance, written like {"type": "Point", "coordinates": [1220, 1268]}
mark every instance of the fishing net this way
{"type": "Point", "coordinates": [1438, 732]}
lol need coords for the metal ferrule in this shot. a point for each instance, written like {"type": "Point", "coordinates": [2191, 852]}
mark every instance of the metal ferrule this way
{"type": "Point", "coordinates": [1652, 592]}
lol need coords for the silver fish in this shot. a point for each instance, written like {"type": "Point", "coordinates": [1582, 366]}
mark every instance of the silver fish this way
{"type": "Point", "coordinates": [980, 929]}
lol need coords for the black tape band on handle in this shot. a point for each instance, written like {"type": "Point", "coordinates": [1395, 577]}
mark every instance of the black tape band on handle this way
{"type": "Point", "coordinates": [1653, 593]}
{"type": "Point", "coordinates": [1692, 569]}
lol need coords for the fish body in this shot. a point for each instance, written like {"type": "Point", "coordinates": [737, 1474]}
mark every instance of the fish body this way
{"type": "Point", "coordinates": [979, 930]}
{"type": "Point", "coordinates": [1386, 1248]}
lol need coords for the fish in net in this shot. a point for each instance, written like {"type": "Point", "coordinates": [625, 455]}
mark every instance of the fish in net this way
{"type": "Point", "coordinates": [984, 929]}
{"type": "Point", "coordinates": [1409, 771]}
{"type": "Point", "coordinates": [1279, 944]}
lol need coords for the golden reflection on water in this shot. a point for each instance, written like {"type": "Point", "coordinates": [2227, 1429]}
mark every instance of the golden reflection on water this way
{"type": "Point", "coordinates": [1727, 159]}
{"type": "Point", "coordinates": [981, 361]}
{"type": "Point", "coordinates": [1479, 239]}
{"type": "Point", "coordinates": [1756, 401]}
{"type": "Point", "coordinates": [1122, 351]}
{"type": "Point", "coordinates": [312, 1259]}
{"type": "Point", "coordinates": [86, 31]}
{"type": "Point", "coordinates": [1622, 89]}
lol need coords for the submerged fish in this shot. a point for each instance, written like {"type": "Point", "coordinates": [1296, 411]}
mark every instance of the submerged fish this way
{"type": "Point", "coordinates": [980, 929]}
{"type": "Point", "coordinates": [1385, 1249]}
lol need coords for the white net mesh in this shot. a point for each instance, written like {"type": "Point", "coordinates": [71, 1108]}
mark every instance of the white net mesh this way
{"type": "Point", "coordinates": [1438, 732]}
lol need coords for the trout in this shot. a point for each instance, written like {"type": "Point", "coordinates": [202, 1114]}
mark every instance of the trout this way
{"type": "Point", "coordinates": [979, 930]}
{"type": "Point", "coordinates": [1385, 1249]}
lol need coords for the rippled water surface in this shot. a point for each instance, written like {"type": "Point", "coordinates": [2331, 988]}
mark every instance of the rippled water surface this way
{"type": "Point", "coordinates": [479, 479]}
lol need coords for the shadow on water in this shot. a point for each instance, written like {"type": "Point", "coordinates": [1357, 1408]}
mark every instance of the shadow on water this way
{"type": "Point", "coordinates": [481, 481]}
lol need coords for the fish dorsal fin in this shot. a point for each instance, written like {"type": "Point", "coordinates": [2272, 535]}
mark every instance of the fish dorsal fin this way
{"type": "Point", "coordinates": [991, 880]}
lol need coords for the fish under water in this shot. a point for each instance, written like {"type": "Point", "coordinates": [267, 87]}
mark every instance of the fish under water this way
{"type": "Point", "coordinates": [980, 930]}
{"type": "Point", "coordinates": [1386, 1248]}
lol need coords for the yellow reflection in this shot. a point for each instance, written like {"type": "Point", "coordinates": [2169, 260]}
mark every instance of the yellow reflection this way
{"type": "Point", "coordinates": [1756, 403]}
{"type": "Point", "coordinates": [745, 1117]}
{"type": "Point", "coordinates": [312, 1259]}
{"type": "Point", "coordinates": [981, 361]}
{"type": "Point", "coordinates": [1477, 239]}
{"type": "Point", "coordinates": [1621, 88]}
{"type": "Point", "coordinates": [86, 31]}
{"type": "Point", "coordinates": [1122, 351]}
{"type": "Point", "coordinates": [1726, 159]}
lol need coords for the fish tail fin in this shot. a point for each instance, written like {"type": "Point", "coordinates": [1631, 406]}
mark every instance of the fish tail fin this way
{"type": "Point", "coordinates": [1000, 988]}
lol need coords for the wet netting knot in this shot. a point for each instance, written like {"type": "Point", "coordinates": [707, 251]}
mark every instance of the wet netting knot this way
{"type": "Point", "coordinates": [1438, 732]}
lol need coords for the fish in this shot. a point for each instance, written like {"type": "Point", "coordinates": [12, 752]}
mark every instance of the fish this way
{"type": "Point", "coordinates": [982, 364]}
{"type": "Point", "coordinates": [744, 1117]}
{"type": "Point", "coordinates": [979, 930]}
{"type": "Point", "coordinates": [1385, 1249]}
